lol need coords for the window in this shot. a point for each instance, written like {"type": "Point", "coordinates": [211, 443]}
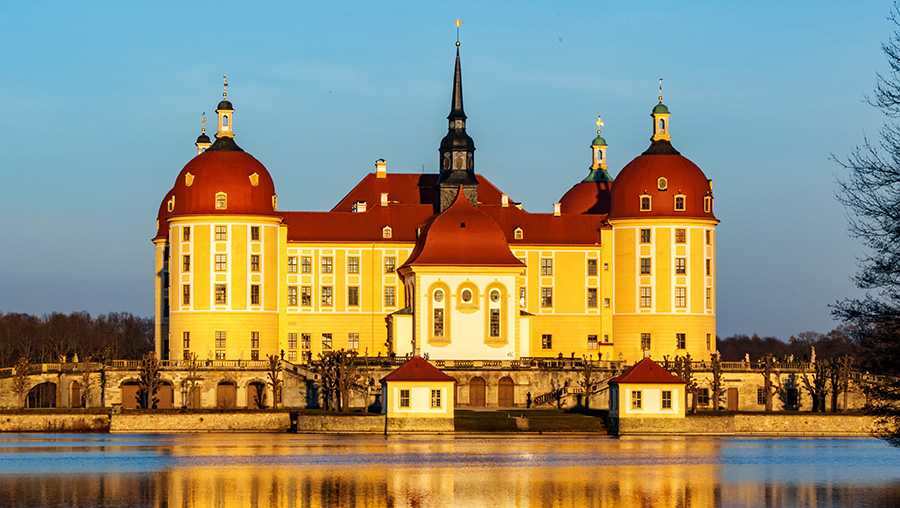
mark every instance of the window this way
{"type": "Point", "coordinates": [327, 264]}
{"type": "Point", "coordinates": [546, 341]}
{"type": "Point", "coordinates": [522, 294]}
{"type": "Point", "coordinates": [681, 297]}
{"type": "Point", "coordinates": [221, 232]}
{"type": "Point", "coordinates": [645, 266]}
{"type": "Point", "coordinates": [186, 263]}
{"type": "Point", "coordinates": [404, 398]}
{"type": "Point", "coordinates": [466, 295]}
{"type": "Point", "coordinates": [645, 203]}
{"type": "Point", "coordinates": [707, 204]}
{"type": "Point", "coordinates": [390, 296]}
{"type": "Point", "coordinates": [645, 236]}
{"type": "Point", "coordinates": [292, 264]}
{"type": "Point", "coordinates": [292, 356]}
{"type": "Point", "coordinates": [220, 340]}
{"type": "Point", "coordinates": [221, 262]}
{"type": "Point", "coordinates": [606, 302]}
{"type": "Point", "coordinates": [292, 341]}
{"type": "Point", "coordinates": [254, 262]}
{"type": "Point", "coordinates": [708, 267]}
{"type": "Point", "coordinates": [306, 296]}
{"type": "Point", "coordinates": [592, 267]}
{"type": "Point", "coordinates": [646, 296]}
{"type": "Point", "coordinates": [592, 342]}
{"type": "Point", "coordinates": [761, 396]}
{"type": "Point", "coordinates": [254, 294]}
{"type": "Point", "coordinates": [439, 296]}
{"type": "Point", "coordinates": [221, 295]}
{"type": "Point", "coordinates": [185, 339]}
{"type": "Point", "coordinates": [221, 201]}
{"type": "Point", "coordinates": [254, 233]}
{"type": "Point", "coordinates": [546, 267]}
{"type": "Point", "coordinates": [518, 234]}
{"type": "Point", "coordinates": [326, 296]}
{"type": "Point", "coordinates": [305, 264]}
{"type": "Point", "coordinates": [708, 340]}
{"type": "Point", "coordinates": [662, 184]}
{"type": "Point", "coordinates": [680, 341]}
{"type": "Point", "coordinates": [546, 297]}
{"type": "Point", "coordinates": [353, 264]}
{"type": "Point", "coordinates": [254, 340]}
{"type": "Point", "coordinates": [708, 298]}
{"type": "Point", "coordinates": [680, 266]}
{"type": "Point", "coordinates": [305, 340]}
{"type": "Point", "coordinates": [708, 237]}
{"type": "Point", "coordinates": [645, 341]}
{"type": "Point", "coordinates": [326, 341]}
{"type": "Point", "coordinates": [186, 294]}
{"type": "Point", "coordinates": [390, 263]}
{"type": "Point", "coordinates": [703, 397]}
{"type": "Point", "coordinates": [435, 399]}
{"type": "Point", "coordinates": [438, 327]}
{"type": "Point", "coordinates": [495, 322]}
{"type": "Point", "coordinates": [386, 232]}
{"type": "Point", "coordinates": [353, 296]}
{"type": "Point", "coordinates": [495, 296]}
{"type": "Point", "coordinates": [186, 234]}
{"type": "Point", "coordinates": [220, 354]}
{"type": "Point", "coordinates": [524, 267]}
{"type": "Point", "coordinates": [680, 235]}
{"type": "Point", "coordinates": [636, 399]}
{"type": "Point", "coordinates": [679, 203]}
{"type": "Point", "coordinates": [292, 296]}
{"type": "Point", "coordinates": [592, 298]}
{"type": "Point", "coordinates": [666, 399]}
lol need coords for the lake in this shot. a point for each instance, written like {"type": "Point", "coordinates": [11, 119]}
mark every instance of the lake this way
{"type": "Point", "coordinates": [285, 470]}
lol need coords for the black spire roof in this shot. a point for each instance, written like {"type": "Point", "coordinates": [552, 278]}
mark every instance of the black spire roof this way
{"type": "Point", "coordinates": [457, 151]}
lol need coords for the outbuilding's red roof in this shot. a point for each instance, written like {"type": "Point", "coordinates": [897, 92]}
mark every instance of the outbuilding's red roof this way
{"type": "Point", "coordinates": [648, 372]}
{"type": "Point", "coordinates": [417, 369]}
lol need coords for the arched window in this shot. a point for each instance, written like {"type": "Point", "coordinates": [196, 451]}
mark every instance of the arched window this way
{"type": "Point", "coordinates": [225, 121]}
{"type": "Point", "coordinates": [662, 124]}
{"type": "Point", "coordinates": [221, 201]}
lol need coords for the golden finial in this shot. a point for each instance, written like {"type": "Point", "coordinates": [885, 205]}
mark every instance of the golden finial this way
{"type": "Point", "coordinates": [203, 130]}
{"type": "Point", "coordinates": [225, 87]}
{"type": "Point", "coordinates": [458, 22]}
{"type": "Point", "coordinates": [660, 89]}
{"type": "Point", "coordinates": [599, 123]}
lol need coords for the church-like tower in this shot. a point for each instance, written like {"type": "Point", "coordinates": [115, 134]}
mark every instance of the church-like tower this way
{"type": "Point", "coordinates": [457, 151]}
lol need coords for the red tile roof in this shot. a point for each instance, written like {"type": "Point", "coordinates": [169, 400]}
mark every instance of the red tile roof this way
{"type": "Point", "coordinates": [417, 369]}
{"type": "Point", "coordinates": [646, 371]}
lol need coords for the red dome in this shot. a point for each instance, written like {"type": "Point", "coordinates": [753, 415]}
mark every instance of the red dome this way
{"type": "Point", "coordinates": [462, 236]}
{"type": "Point", "coordinates": [642, 177]}
{"type": "Point", "coordinates": [586, 197]}
{"type": "Point", "coordinates": [248, 187]}
{"type": "Point", "coordinates": [162, 225]}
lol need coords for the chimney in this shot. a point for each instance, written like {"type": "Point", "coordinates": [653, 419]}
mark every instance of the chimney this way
{"type": "Point", "coordinates": [384, 199]}
{"type": "Point", "coordinates": [556, 210]}
{"type": "Point", "coordinates": [380, 168]}
{"type": "Point", "coordinates": [504, 200]}
{"type": "Point", "coordinates": [359, 206]}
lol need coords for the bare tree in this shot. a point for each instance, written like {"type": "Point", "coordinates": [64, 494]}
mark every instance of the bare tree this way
{"type": "Point", "coordinates": [770, 388]}
{"type": "Point", "coordinates": [149, 381]}
{"type": "Point", "coordinates": [716, 363]}
{"type": "Point", "coordinates": [192, 381]}
{"type": "Point", "coordinates": [274, 381]}
{"type": "Point", "coordinates": [84, 369]}
{"type": "Point", "coordinates": [20, 381]}
{"type": "Point", "coordinates": [587, 385]}
{"type": "Point", "coordinates": [818, 386]}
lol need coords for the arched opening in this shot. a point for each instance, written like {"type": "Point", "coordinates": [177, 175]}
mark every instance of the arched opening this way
{"type": "Point", "coordinates": [506, 392]}
{"type": "Point", "coordinates": [256, 395]}
{"type": "Point", "coordinates": [226, 395]}
{"type": "Point", "coordinates": [476, 392]}
{"type": "Point", "coordinates": [190, 394]}
{"type": "Point", "coordinates": [166, 396]}
{"type": "Point", "coordinates": [130, 392]}
{"type": "Point", "coordinates": [75, 395]}
{"type": "Point", "coordinates": [662, 124]}
{"type": "Point", "coordinates": [225, 121]}
{"type": "Point", "coordinates": [42, 395]}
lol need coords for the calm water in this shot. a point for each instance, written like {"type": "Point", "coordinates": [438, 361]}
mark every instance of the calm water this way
{"type": "Point", "coordinates": [268, 470]}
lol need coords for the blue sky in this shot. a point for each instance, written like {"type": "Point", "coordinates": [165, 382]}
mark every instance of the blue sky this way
{"type": "Point", "coordinates": [101, 103]}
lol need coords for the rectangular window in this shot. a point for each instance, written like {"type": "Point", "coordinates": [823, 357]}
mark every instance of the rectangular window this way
{"type": "Point", "coordinates": [254, 340]}
{"type": "Point", "coordinates": [645, 341]}
{"type": "Point", "coordinates": [680, 266]}
{"type": "Point", "coordinates": [708, 340]}
{"type": "Point", "coordinates": [186, 263]}
{"type": "Point", "coordinates": [681, 297]}
{"type": "Point", "coordinates": [703, 397]}
{"type": "Point", "coordinates": [390, 296]}
{"type": "Point", "coordinates": [592, 342]}
{"type": "Point", "coordinates": [761, 396]}
{"type": "Point", "coordinates": [591, 267]}
{"type": "Point", "coordinates": [292, 296]}
{"type": "Point", "coordinates": [606, 302]}
{"type": "Point", "coordinates": [306, 296]}
{"type": "Point", "coordinates": [292, 264]}
{"type": "Point", "coordinates": [186, 294]}
{"type": "Point", "coordinates": [546, 297]}
{"type": "Point", "coordinates": [327, 264]}
{"type": "Point", "coordinates": [707, 203]}
{"type": "Point", "coordinates": [522, 294]}
{"type": "Point", "coordinates": [680, 341]}
{"type": "Point", "coordinates": [495, 322]}
{"type": "Point", "coordinates": [220, 340]}
{"type": "Point", "coordinates": [292, 341]}
{"type": "Point", "coordinates": [353, 341]}
{"type": "Point", "coordinates": [680, 235]}
{"type": "Point", "coordinates": [353, 296]}
{"type": "Point", "coordinates": [708, 267]}
{"type": "Point", "coordinates": [326, 296]}
{"type": "Point", "coordinates": [645, 266]}
{"type": "Point", "coordinates": [435, 399]}
{"type": "Point", "coordinates": [221, 232]}
{"type": "Point", "coordinates": [221, 295]}
{"type": "Point", "coordinates": [708, 298]}
{"type": "Point", "coordinates": [546, 341]}
{"type": "Point", "coordinates": [185, 339]}
{"type": "Point", "coordinates": [221, 262]}
{"type": "Point", "coordinates": [438, 322]}
{"type": "Point", "coordinates": [645, 236]}
{"type": "Point", "coordinates": [254, 294]}
{"type": "Point", "coordinates": [305, 264]}
{"type": "Point", "coordinates": [404, 398]}
{"type": "Point", "coordinates": [636, 399]}
{"type": "Point", "coordinates": [254, 233]}
{"type": "Point", "coordinates": [708, 236]}
{"type": "Point", "coordinates": [390, 264]}
{"type": "Point", "coordinates": [254, 354]}
{"type": "Point", "coordinates": [326, 341]}
{"type": "Point", "coordinates": [353, 264]}
{"type": "Point", "coordinates": [220, 354]}
{"type": "Point", "coordinates": [666, 399]}
{"type": "Point", "coordinates": [292, 356]}
{"type": "Point", "coordinates": [186, 234]}
{"type": "Point", "coordinates": [305, 340]}
{"type": "Point", "coordinates": [646, 296]}
{"type": "Point", "coordinates": [546, 267]}
{"type": "Point", "coordinates": [592, 298]}
{"type": "Point", "coordinates": [254, 262]}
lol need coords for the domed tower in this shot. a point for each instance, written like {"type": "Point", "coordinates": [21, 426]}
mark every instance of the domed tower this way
{"type": "Point", "coordinates": [661, 212]}
{"type": "Point", "coordinates": [591, 195]}
{"type": "Point", "coordinates": [217, 250]}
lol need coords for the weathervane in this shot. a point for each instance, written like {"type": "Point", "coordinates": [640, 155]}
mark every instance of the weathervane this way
{"type": "Point", "coordinates": [660, 89]}
{"type": "Point", "coordinates": [203, 130]}
{"type": "Point", "coordinates": [599, 123]}
{"type": "Point", "coordinates": [458, 22]}
{"type": "Point", "coordinates": [224, 87]}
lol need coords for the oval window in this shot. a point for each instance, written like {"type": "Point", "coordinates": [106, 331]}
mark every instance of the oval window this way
{"type": "Point", "coordinates": [466, 296]}
{"type": "Point", "coordinates": [439, 296]}
{"type": "Point", "coordinates": [495, 296]}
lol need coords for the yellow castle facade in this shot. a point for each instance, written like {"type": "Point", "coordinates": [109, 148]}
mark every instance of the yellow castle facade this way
{"type": "Point", "coordinates": [441, 264]}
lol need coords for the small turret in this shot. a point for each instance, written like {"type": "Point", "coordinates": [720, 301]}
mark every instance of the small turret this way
{"type": "Point", "coordinates": [203, 141]}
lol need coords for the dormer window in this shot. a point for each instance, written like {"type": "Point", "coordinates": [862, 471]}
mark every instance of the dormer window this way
{"type": "Point", "coordinates": [221, 201]}
{"type": "Point", "coordinates": [188, 179]}
{"type": "Point", "coordinates": [679, 203]}
{"type": "Point", "coordinates": [386, 232]}
{"type": "Point", "coordinates": [171, 205]}
{"type": "Point", "coordinates": [645, 203]}
{"type": "Point", "coordinates": [254, 179]}
{"type": "Point", "coordinates": [707, 204]}
{"type": "Point", "coordinates": [662, 184]}
{"type": "Point", "coordinates": [518, 234]}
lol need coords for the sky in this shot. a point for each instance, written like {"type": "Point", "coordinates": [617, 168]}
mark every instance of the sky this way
{"type": "Point", "coordinates": [102, 101]}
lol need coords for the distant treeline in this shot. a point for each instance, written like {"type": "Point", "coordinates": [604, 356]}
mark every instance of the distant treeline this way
{"type": "Point", "coordinates": [47, 339]}
{"type": "Point", "coordinates": [841, 341]}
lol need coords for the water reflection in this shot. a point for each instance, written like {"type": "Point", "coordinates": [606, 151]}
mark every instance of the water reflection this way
{"type": "Point", "coordinates": [279, 470]}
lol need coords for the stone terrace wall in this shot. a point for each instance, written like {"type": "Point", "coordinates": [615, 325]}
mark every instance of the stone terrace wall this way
{"type": "Point", "coordinates": [200, 422]}
{"type": "Point", "coordinates": [43, 422]}
{"type": "Point", "coordinates": [796, 424]}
